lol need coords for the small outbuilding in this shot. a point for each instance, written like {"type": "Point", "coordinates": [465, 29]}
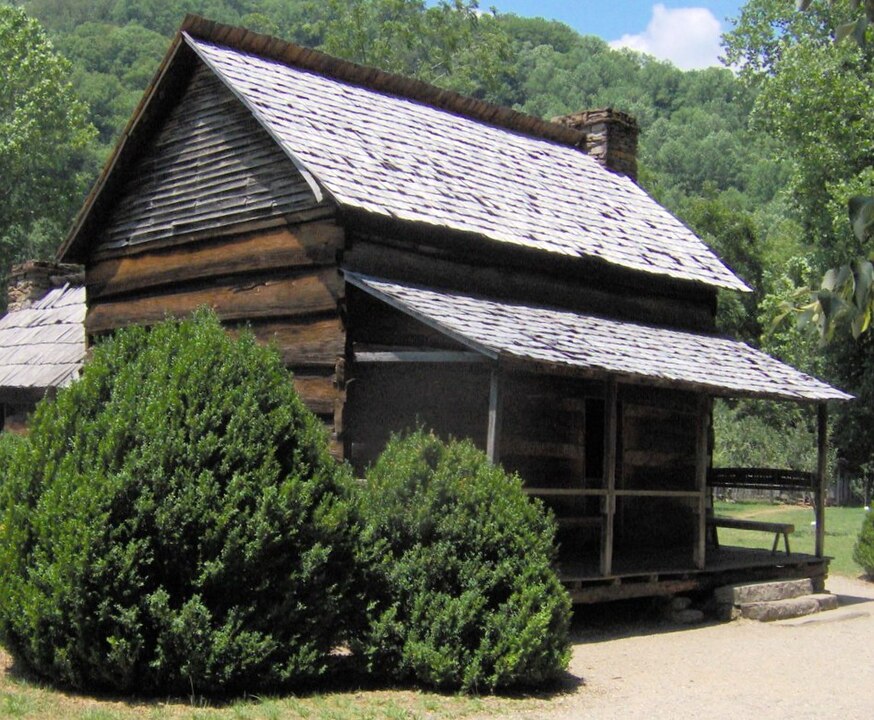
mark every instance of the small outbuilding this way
{"type": "Point", "coordinates": [42, 337]}
{"type": "Point", "coordinates": [423, 257]}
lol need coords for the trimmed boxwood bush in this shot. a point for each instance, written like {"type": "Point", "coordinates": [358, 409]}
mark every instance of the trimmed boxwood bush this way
{"type": "Point", "coordinates": [863, 553]}
{"type": "Point", "coordinates": [463, 594]}
{"type": "Point", "coordinates": [174, 522]}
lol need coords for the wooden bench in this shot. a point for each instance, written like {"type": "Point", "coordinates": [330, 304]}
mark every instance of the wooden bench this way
{"type": "Point", "coordinates": [740, 524]}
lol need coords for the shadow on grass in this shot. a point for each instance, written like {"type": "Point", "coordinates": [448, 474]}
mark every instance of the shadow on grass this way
{"type": "Point", "coordinates": [342, 678]}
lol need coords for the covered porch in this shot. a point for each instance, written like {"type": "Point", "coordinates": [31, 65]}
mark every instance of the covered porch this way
{"type": "Point", "coordinates": [609, 423]}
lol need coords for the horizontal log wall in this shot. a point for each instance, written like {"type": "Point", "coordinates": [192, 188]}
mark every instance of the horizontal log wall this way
{"type": "Point", "coordinates": [282, 283]}
{"type": "Point", "coordinates": [546, 281]}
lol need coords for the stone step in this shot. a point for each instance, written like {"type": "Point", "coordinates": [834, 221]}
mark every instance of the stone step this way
{"type": "Point", "coordinates": [770, 610]}
{"type": "Point", "coordinates": [763, 592]}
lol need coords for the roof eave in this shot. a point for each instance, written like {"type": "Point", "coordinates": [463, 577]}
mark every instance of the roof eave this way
{"type": "Point", "coordinates": [714, 391]}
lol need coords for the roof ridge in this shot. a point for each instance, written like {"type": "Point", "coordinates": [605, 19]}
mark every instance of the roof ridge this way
{"type": "Point", "coordinates": [287, 53]}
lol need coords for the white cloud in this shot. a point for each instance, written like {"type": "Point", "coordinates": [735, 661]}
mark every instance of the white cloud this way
{"type": "Point", "coordinates": [688, 37]}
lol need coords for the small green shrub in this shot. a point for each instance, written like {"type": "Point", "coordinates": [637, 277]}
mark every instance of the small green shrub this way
{"type": "Point", "coordinates": [863, 553]}
{"type": "Point", "coordinates": [175, 522]}
{"type": "Point", "coordinates": [463, 594]}
{"type": "Point", "coordinates": [10, 443]}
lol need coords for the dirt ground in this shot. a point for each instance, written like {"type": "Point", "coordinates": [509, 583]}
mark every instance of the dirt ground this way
{"type": "Point", "coordinates": [821, 666]}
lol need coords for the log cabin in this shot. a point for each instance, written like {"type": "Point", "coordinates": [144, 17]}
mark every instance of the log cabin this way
{"type": "Point", "coordinates": [421, 257]}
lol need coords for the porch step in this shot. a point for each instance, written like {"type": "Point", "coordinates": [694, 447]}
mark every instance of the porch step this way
{"type": "Point", "coordinates": [791, 608]}
{"type": "Point", "coordinates": [763, 591]}
{"type": "Point", "coordinates": [767, 601]}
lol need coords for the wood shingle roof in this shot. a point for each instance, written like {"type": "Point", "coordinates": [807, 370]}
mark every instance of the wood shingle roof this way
{"type": "Point", "coordinates": [396, 148]}
{"type": "Point", "coordinates": [389, 155]}
{"type": "Point", "coordinates": [599, 346]}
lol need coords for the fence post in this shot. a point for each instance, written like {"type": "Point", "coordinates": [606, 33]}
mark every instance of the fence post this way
{"type": "Point", "coordinates": [821, 468]}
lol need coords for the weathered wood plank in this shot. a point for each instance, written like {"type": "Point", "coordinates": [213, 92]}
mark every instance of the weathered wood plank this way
{"type": "Point", "coordinates": [640, 459]}
{"type": "Point", "coordinates": [310, 244]}
{"type": "Point", "coordinates": [305, 341]}
{"type": "Point", "coordinates": [611, 407]}
{"type": "Point", "coordinates": [277, 297]}
{"type": "Point", "coordinates": [521, 283]}
{"type": "Point", "coordinates": [514, 446]}
{"type": "Point", "coordinates": [702, 462]}
{"type": "Point", "coordinates": [496, 413]}
{"type": "Point", "coordinates": [318, 393]}
{"type": "Point", "coordinates": [418, 356]}
{"type": "Point", "coordinates": [625, 591]}
{"type": "Point", "coordinates": [235, 228]}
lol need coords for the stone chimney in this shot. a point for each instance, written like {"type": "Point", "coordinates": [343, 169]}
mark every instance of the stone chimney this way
{"type": "Point", "coordinates": [30, 281]}
{"type": "Point", "coordinates": [611, 138]}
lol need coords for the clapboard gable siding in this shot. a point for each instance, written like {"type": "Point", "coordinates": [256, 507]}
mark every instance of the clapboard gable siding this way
{"type": "Point", "coordinates": [209, 166]}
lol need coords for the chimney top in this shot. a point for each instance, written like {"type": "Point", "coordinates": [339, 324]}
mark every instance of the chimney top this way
{"type": "Point", "coordinates": [30, 281]}
{"type": "Point", "coordinates": [611, 137]}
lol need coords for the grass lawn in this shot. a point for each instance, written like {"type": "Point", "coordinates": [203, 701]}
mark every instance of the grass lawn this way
{"type": "Point", "coordinates": [842, 527]}
{"type": "Point", "coordinates": [20, 698]}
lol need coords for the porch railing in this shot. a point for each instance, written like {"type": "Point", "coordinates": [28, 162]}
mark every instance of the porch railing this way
{"type": "Point", "coordinates": [762, 479]}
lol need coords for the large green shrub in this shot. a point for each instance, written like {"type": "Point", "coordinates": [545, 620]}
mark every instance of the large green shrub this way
{"type": "Point", "coordinates": [175, 522]}
{"type": "Point", "coordinates": [863, 553]}
{"type": "Point", "coordinates": [463, 594]}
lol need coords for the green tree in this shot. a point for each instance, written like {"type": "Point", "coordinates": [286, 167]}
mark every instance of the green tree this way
{"type": "Point", "coordinates": [112, 67]}
{"type": "Point", "coordinates": [44, 137]}
{"type": "Point", "coordinates": [174, 523]}
{"type": "Point", "coordinates": [450, 44]}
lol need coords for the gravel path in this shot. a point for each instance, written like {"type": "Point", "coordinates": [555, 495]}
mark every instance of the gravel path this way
{"type": "Point", "coordinates": [821, 666]}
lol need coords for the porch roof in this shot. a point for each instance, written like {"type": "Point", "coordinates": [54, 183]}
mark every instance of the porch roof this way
{"type": "Point", "coordinates": [592, 345]}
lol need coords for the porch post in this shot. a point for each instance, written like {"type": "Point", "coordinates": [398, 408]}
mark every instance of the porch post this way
{"type": "Point", "coordinates": [702, 450]}
{"type": "Point", "coordinates": [496, 407]}
{"type": "Point", "coordinates": [821, 472]}
{"type": "Point", "coordinates": [608, 508]}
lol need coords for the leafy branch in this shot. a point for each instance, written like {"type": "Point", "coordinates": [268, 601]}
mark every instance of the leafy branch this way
{"type": "Point", "coordinates": [846, 294]}
{"type": "Point", "coordinates": [854, 28]}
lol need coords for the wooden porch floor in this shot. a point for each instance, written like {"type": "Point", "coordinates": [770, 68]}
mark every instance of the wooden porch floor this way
{"type": "Point", "coordinates": [666, 572]}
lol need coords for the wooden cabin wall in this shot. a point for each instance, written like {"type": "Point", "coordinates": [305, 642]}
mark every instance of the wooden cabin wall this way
{"type": "Point", "coordinates": [450, 400]}
{"type": "Point", "coordinates": [281, 282]}
{"type": "Point", "coordinates": [211, 212]}
{"type": "Point", "coordinates": [14, 417]}
{"type": "Point", "coordinates": [657, 444]}
{"type": "Point", "coordinates": [511, 273]}
{"type": "Point", "coordinates": [382, 398]}
{"type": "Point", "coordinates": [553, 435]}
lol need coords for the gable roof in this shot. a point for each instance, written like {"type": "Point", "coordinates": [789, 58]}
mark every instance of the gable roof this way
{"type": "Point", "coordinates": [43, 346]}
{"type": "Point", "coordinates": [597, 346]}
{"type": "Point", "coordinates": [209, 165]}
{"type": "Point", "coordinates": [400, 149]}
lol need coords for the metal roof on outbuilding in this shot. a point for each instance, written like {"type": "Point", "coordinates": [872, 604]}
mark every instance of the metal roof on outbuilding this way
{"type": "Point", "coordinates": [43, 346]}
{"type": "Point", "coordinates": [598, 346]}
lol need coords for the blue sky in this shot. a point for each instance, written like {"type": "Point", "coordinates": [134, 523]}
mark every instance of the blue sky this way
{"type": "Point", "coordinates": [686, 32]}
